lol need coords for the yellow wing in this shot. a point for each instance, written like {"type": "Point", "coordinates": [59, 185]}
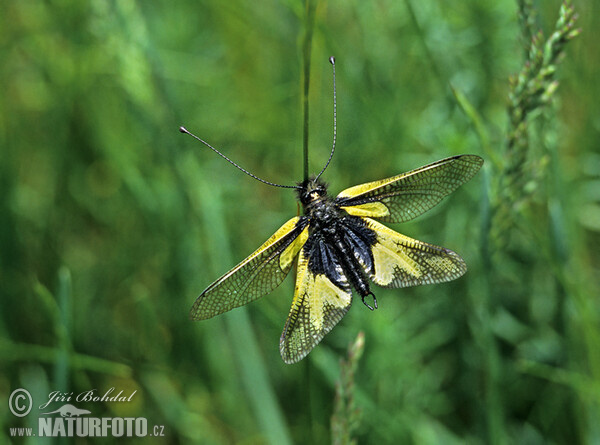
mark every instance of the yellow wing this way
{"type": "Point", "coordinates": [256, 276]}
{"type": "Point", "coordinates": [317, 307]}
{"type": "Point", "coordinates": [406, 196]}
{"type": "Point", "coordinates": [401, 261]}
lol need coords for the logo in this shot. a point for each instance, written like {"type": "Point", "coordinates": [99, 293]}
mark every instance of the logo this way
{"type": "Point", "coordinates": [69, 420]}
{"type": "Point", "coordinates": [69, 410]}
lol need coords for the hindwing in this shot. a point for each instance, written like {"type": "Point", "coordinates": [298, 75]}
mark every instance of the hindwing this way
{"type": "Point", "coordinates": [318, 305]}
{"type": "Point", "coordinates": [257, 275]}
{"type": "Point", "coordinates": [406, 196]}
{"type": "Point", "coordinates": [401, 261]}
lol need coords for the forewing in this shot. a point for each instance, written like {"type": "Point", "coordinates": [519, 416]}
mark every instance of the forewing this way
{"type": "Point", "coordinates": [401, 261]}
{"type": "Point", "coordinates": [317, 307]}
{"type": "Point", "coordinates": [256, 276]}
{"type": "Point", "coordinates": [406, 196]}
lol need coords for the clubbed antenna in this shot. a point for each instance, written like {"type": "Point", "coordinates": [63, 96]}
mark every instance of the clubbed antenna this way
{"type": "Point", "coordinates": [184, 130]}
{"type": "Point", "coordinates": [332, 60]}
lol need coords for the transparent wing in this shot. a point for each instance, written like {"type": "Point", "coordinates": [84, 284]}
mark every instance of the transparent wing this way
{"type": "Point", "coordinates": [406, 196]}
{"type": "Point", "coordinates": [317, 307]}
{"type": "Point", "coordinates": [401, 261]}
{"type": "Point", "coordinates": [256, 276]}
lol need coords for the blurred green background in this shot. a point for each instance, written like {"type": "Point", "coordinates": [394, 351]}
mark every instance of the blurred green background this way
{"type": "Point", "coordinates": [112, 222]}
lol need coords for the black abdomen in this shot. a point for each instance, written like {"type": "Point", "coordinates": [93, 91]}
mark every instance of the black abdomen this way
{"type": "Point", "coordinates": [339, 246]}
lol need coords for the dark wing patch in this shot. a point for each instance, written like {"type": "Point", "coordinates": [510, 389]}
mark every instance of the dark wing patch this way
{"type": "Point", "coordinates": [406, 196]}
{"type": "Point", "coordinates": [358, 240]}
{"type": "Point", "coordinates": [257, 275]}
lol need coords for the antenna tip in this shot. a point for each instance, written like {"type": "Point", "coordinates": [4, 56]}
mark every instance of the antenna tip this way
{"type": "Point", "coordinates": [332, 60]}
{"type": "Point", "coordinates": [183, 129]}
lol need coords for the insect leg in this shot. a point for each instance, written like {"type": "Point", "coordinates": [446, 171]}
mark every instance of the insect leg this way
{"type": "Point", "coordinates": [367, 304]}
